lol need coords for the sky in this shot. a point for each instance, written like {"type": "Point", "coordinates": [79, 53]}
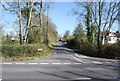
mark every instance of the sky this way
{"type": "Point", "coordinates": [60, 14]}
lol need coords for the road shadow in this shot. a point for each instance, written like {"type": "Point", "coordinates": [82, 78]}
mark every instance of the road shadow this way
{"type": "Point", "coordinates": [73, 79]}
{"type": "Point", "coordinates": [52, 74]}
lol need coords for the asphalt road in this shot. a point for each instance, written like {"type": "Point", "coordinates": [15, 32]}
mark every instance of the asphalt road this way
{"type": "Point", "coordinates": [64, 64]}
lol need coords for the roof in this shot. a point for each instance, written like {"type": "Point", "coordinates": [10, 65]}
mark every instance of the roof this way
{"type": "Point", "coordinates": [107, 33]}
{"type": "Point", "coordinates": [117, 35]}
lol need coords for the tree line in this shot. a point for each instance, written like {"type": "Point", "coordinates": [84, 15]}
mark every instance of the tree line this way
{"type": "Point", "coordinates": [34, 24]}
{"type": "Point", "coordinates": [96, 18]}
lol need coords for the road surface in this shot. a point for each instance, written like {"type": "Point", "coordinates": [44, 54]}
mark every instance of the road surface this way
{"type": "Point", "coordinates": [64, 64]}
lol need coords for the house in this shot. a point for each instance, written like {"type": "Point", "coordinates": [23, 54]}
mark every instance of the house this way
{"type": "Point", "coordinates": [111, 38]}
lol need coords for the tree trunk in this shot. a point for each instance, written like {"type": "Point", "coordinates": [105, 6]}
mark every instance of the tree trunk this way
{"type": "Point", "coordinates": [29, 20]}
{"type": "Point", "coordinates": [88, 23]}
{"type": "Point", "coordinates": [20, 24]}
{"type": "Point", "coordinates": [99, 26]}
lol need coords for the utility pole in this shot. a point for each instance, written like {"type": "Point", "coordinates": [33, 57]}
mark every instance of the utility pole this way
{"type": "Point", "coordinates": [47, 27]}
{"type": "Point", "coordinates": [40, 16]}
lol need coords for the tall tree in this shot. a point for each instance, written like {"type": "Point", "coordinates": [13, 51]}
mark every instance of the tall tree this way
{"type": "Point", "coordinates": [18, 12]}
{"type": "Point", "coordinates": [102, 15]}
{"type": "Point", "coordinates": [66, 35]}
{"type": "Point", "coordinates": [88, 20]}
{"type": "Point", "coordinates": [78, 32]}
{"type": "Point", "coordinates": [29, 16]}
{"type": "Point", "coordinates": [110, 16]}
{"type": "Point", "coordinates": [85, 16]}
{"type": "Point", "coordinates": [47, 27]}
{"type": "Point", "coordinates": [40, 8]}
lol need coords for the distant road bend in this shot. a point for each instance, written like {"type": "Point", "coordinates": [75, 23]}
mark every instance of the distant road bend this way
{"type": "Point", "coordinates": [64, 64]}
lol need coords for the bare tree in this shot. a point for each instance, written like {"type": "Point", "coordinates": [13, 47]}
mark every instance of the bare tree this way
{"type": "Point", "coordinates": [110, 17]}
{"type": "Point", "coordinates": [47, 27]}
{"type": "Point", "coordinates": [29, 18]}
{"type": "Point", "coordinates": [101, 15]}
{"type": "Point", "coordinates": [41, 8]}
{"type": "Point", "coordinates": [40, 16]}
{"type": "Point", "coordinates": [18, 11]}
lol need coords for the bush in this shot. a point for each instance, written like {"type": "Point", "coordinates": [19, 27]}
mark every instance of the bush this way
{"type": "Point", "coordinates": [14, 51]}
{"type": "Point", "coordinates": [110, 50]}
{"type": "Point", "coordinates": [88, 49]}
{"type": "Point", "coordinates": [106, 51]}
{"type": "Point", "coordinates": [73, 43]}
{"type": "Point", "coordinates": [82, 47]}
{"type": "Point", "coordinates": [22, 51]}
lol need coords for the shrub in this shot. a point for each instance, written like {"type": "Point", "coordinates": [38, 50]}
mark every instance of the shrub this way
{"type": "Point", "coordinates": [82, 47]}
{"type": "Point", "coordinates": [20, 51]}
{"type": "Point", "coordinates": [73, 43]}
{"type": "Point", "coordinates": [110, 50]}
{"type": "Point", "coordinates": [88, 49]}
{"type": "Point", "coordinates": [106, 51]}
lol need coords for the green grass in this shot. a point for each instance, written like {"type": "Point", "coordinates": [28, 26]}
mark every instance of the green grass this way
{"type": "Point", "coordinates": [51, 44]}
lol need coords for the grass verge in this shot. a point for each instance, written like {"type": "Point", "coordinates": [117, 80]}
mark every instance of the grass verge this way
{"type": "Point", "coordinates": [24, 52]}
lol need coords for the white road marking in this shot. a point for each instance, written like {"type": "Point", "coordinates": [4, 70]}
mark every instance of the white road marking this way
{"type": "Point", "coordinates": [41, 63]}
{"type": "Point", "coordinates": [50, 60]}
{"type": "Point", "coordinates": [66, 63]}
{"type": "Point", "coordinates": [0, 79]}
{"type": "Point", "coordinates": [82, 78]}
{"type": "Point", "coordinates": [7, 63]}
{"type": "Point", "coordinates": [77, 55]}
{"type": "Point", "coordinates": [81, 56]}
{"type": "Point", "coordinates": [19, 63]}
{"type": "Point", "coordinates": [78, 59]}
{"type": "Point", "coordinates": [56, 63]}
{"type": "Point", "coordinates": [66, 52]}
{"type": "Point", "coordinates": [77, 63]}
{"type": "Point", "coordinates": [32, 63]}
{"type": "Point", "coordinates": [44, 63]}
{"type": "Point", "coordinates": [96, 62]}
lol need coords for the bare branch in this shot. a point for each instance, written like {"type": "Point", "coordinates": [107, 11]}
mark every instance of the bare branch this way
{"type": "Point", "coordinates": [9, 9]}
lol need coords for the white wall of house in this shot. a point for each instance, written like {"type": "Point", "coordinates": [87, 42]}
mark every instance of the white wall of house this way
{"type": "Point", "coordinates": [112, 38]}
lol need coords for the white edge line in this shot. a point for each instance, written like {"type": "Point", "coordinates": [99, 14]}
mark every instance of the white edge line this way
{"type": "Point", "coordinates": [0, 79]}
{"type": "Point", "coordinates": [7, 63]}
{"type": "Point", "coordinates": [66, 63]}
{"type": "Point", "coordinates": [95, 62]}
{"type": "Point", "coordinates": [77, 59]}
{"type": "Point", "coordinates": [81, 56]}
{"type": "Point", "coordinates": [66, 52]}
{"type": "Point", "coordinates": [44, 63]}
{"type": "Point", "coordinates": [19, 63]}
{"type": "Point", "coordinates": [83, 78]}
{"type": "Point", "coordinates": [32, 63]}
{"type": "Point", "coordinates": [56, 63]}
{"type": "Point", "coordinates": [77, 55]}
